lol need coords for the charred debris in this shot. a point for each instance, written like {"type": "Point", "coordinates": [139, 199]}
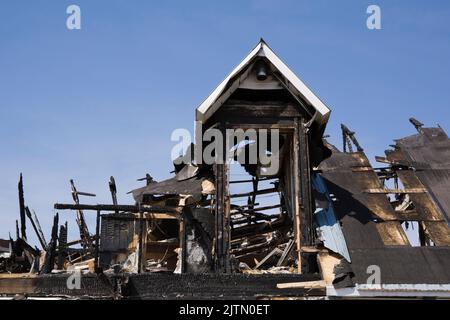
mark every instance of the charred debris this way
{"type": "Point", "coordinates": [316, 226]}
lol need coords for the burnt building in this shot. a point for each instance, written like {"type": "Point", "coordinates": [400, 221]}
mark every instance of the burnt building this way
{"type": "Point", "coordinates": [302, 219]}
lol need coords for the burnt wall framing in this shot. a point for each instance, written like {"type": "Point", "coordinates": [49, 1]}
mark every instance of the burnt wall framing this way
{"type": "Point", "coordinates": [287, 117]}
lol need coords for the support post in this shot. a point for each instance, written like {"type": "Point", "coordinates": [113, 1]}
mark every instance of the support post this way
{"type": "Point", "coordinates": [97, 243]}
{"type": "Point", "coordinates": [140, 245]}
{"type": "Point", "coordinates": [303, 218]}
{"type": "Point", "coordinates": [222, 211]}
{"type": "Point", "coordinates": [306, 195]}
{"type": "Point", "coordinates": [297, 195]}
{"type": "Point", "coordinates": [182, 231]}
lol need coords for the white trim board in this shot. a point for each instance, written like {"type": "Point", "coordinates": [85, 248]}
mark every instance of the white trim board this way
{"type": "Point", "coordinates": [392, 290]}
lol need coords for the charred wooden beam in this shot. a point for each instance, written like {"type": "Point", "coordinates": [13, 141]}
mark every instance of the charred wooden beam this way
{"type": "Point", "coordinates": [349, 137]}
{"type": "Point", "coordinates": [258, 228]}
{"type": "Point", "coordinates": [236, 208]}
{"type": "Point", "coordinates": [253, 248]}
{"type": "Point", "coordinates": [120, 207]}
{"type": "Point", "coordinates": [36, 229]}
{"type": "Point", "coordinates": [254, 218]}
{"type": "Point", "coordinates": [251, 181]}
{"type": "Point", "coordinates": [38, 226]}
{"type": "Point", "coordinates": [254, 193]}
{"type": "Point", "coordinates": [417, 124]}
{"type": "Point", "coordinates": [113, 190]}
{"type": "Point", "coordinates": [17, 230]}
{"type": "Point", "coordinates": [22, 245]}
{"type": "Point", "coordinates": [252, 200]}
{"type": "Point", "coordinates": [255, 211]}
{"type": "Point", "coordinates": [74, 242]}
{"type": "Point", "coordinates": [62, 245]}
{"type": "Point", "coordinates": [82, 226]}
{"type": "Point", "coordinates": [51, 249]}
{"type": "Point", "coordinates": [148, 179]}
{"type": "Point", "coordinates": [22, 209]}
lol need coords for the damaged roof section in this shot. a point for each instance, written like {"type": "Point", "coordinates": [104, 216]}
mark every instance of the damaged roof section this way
{"type": "Point", "coordinates": [427, 153]}
{"type": "Point", "coordinates": [189, 181]}
{"type": "Point", "coordinates": [373, 213]}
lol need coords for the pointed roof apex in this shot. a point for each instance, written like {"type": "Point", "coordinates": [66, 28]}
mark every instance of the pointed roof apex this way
{"type": "Point", "coordinates": [213, 102]}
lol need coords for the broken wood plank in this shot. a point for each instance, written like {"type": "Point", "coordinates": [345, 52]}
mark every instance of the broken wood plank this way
{"type": "Point", "coordinates": [319, 284]}
{"type": "Point", "coordinates": [274, 251]}
{"type": "Point", "coordinates": [311, 249]}
{"type": "Point", "coordinates": [327, 262]}
{"type": "Point", "coordinates": [286, 252]}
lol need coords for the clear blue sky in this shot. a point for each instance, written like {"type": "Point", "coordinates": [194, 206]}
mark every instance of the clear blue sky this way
{"type": "Point", "coordinates": [103, 100]}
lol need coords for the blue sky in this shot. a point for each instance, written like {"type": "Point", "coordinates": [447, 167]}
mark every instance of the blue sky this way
{"type": "Point", "coordinates": [100, 101]}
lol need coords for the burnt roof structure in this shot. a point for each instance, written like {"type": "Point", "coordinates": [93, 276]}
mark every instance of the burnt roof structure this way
{"type": "Point", "coordinates": [323, 223]}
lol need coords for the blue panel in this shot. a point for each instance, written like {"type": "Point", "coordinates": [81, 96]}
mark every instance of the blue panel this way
{"type": "Point", "coordinates": [329, 229]}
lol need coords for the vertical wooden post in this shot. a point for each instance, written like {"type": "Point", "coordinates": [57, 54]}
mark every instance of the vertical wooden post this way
{"type": "Point", "coordinates": [222, 223]}
{"type": "Point", "coordinates": [303, 196]}
{"type": "Point", "coordinates": [227, 218]}
{"type": "Point", "coordinates": [306, 193]}
{"type": "Point", "coordinates": [297, 195]}
{"type": "Point", "coordinates": [182, 235]}
{"type": "Point", "coordinates": [218, 209]}
{"type": "Point", "coordinates": [141, 239]}
{"type": "Point", "coordinates": [222, 210]}
{"type": "Point", "coordinates": [97, 243]}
